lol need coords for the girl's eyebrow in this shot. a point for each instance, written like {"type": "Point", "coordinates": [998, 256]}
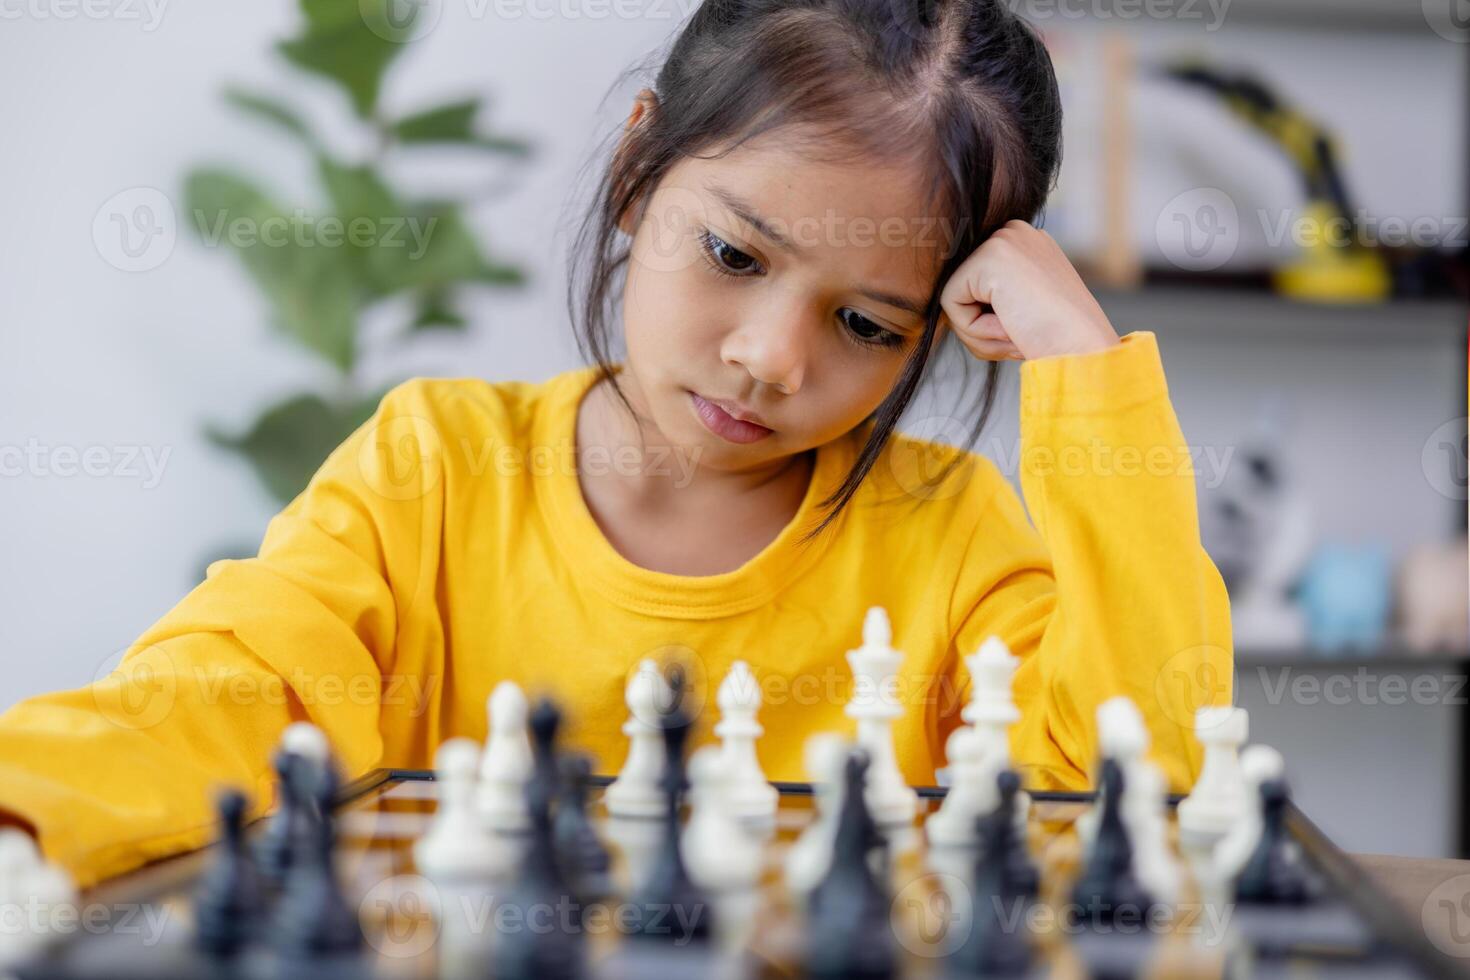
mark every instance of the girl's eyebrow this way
{"type": "Point", "coordinates": [743, 210]}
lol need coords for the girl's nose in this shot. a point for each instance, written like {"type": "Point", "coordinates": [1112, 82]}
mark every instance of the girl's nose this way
{"type": "Point", "coordinates": [772, 349]}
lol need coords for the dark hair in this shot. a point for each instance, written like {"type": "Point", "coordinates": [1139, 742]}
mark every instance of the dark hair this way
{"type": "Point", "coordinates": [962, 89]}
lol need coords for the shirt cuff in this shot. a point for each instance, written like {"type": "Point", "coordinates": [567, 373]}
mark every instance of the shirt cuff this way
{"type": "Point", "coordinates": [1096, 383]}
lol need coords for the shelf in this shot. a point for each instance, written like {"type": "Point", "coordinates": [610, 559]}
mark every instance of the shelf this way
{"type": "Point", "coordinates": [1204, 311]}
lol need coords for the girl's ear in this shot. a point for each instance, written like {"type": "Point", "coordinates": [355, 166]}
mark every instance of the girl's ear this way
{"type": "Point", "coordinates": [645, 103]}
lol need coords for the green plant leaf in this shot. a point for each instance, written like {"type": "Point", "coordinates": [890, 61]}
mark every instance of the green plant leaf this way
{"type": "Point", "coordinates": [435, 313]}
{"type": "Point", "coordinates": [450, 123]}
{"type": "Point", "coordinates": [310, 285]}
{"type": "Point", "coordinates": [350, 43]}
{"type": "Point", "coordinates": [288, 442]}
{"type": "Point", "coordinates": [379, 227]}
{"type": "Point", "coordinates": [273, 111]}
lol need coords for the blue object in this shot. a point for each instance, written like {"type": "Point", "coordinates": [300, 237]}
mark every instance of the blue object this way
{"type": "Point", "coordinates": [1345, 594]}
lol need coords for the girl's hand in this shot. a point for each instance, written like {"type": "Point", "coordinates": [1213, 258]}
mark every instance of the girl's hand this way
{"type": "Point", "coordinates": [1018, 297]}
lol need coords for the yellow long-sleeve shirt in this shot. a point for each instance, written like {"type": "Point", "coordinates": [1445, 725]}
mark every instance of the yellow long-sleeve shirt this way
{"type": "Point", "coordinates": [446, 546]}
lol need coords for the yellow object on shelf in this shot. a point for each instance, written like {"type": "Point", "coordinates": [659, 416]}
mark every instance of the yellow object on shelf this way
{"type": "Point", "coordinates": [1331, 271]}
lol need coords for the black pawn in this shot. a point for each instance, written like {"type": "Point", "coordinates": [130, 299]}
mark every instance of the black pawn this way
{"type": "Point", "coordinates": [1108, 889]}
{"type": "Point", "coordinates": [671, 907]}
{"type": "Point", "coordinates": [554, 953]}
{"type": "Point", "coordinates": [313, 917]}
{"type": "Point", "coordinates": [227, 904]}
{"type": "Point", "coordinates": [848, 914]}
{"type": "Point", "coordinates": [1275, 874]}
{"type": "Point", "coordinates": [1005, 883]}
{"type": "Point", "coordinates": [276, 844]}
{"type": "Point", "coordinates": [584, 860]}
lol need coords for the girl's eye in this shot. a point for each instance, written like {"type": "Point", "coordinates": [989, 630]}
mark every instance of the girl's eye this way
{"type": "Point", "coordinates": [723, 257]}
{"type": "Point", "coordinates": [866, 332]}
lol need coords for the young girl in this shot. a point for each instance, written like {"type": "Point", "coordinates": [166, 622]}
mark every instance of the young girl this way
{"type": "Point", "coordinates": [808, 200]}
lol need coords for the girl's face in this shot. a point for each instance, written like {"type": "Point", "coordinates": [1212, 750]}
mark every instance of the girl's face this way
{"type": "Point", "coordinates": [767, 288]}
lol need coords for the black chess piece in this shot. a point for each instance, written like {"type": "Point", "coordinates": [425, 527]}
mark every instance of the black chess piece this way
{"type": "Point", "coordinates": [849, 930]}
{"type": "Point", "coordinates": [554, 948]}
{"type": "Point", "coordinates": [1108, 892]}
{"type": "Point", "coordinates": [274, 847]}
{"type": "Point", "coordinates": [228, 901]}
{"type": "Point", "coordinates": [584, 860]}
{"type": "Point", "coordinates": [1275, 873]}
{"type": "Point", "coordinates": [313, 917]}
{"type": "Point", "coordinates": [671, 907]}
{"type": "Point", "coordinates": [1005, 884]}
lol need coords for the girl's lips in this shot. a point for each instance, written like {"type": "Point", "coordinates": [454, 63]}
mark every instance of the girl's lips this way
{"type": "Point", "coordinates": [725, 425]}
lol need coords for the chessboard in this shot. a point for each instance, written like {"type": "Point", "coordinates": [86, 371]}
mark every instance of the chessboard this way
{"type": "Point", "coordinates": [411, 927]}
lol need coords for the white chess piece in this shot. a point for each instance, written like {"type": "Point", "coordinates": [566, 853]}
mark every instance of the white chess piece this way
{"type": "Point", "coordinates": [29, 882]}
{"type": "Point", "coordinates": [748, 793]}
{"type": "Point", "coordinates": [1218, 800]}
{"type": "Point", "coordinates": [1258, 764]}
{"type": "Point", "coordinates": [825, 757]}
{"type": "Point", "coordinates": [457, 847]}
{"type": "Point", "coordinates": [874, 668]}
{"type": "Point", "coordinates": [1123, 737]}
{"type": "Point", "coordinates": [507, 763]}
{"type": "Point", "coordinates": [636, 791]}
{"type": "Point", "coordinates": [720, 855]}
{"type": "Point", "coordinates": [979, 751]}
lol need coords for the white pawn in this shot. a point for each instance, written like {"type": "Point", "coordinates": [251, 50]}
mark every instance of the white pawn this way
{"type": "Point", "coordinates": [874, 666]}
{"type": "Point", "coordinates": [1258, 764]}
{"type": "Point", "coordinates": [306, 740]}
{"type": "Point", "coordinates": [1218, 800]}
{"type": "Point", "coordinates": [1122, 737]}
{"type": "Point", "coordinates": [637, 792]}
{"type": "Point", "coordinates": [457, 848]}
{"type": "Point", "coordinates": [720, 854]}
{"type": "Point", "coordinates": [507, 763]}
{"type": "Point", "coordinates": [825, 757]}
{"type": "Point", "coordinates": [747, 793]}
{"type": "Point", "coordinates": [979, 751]}
{"type": "Point", "coordinates": [29, 882]}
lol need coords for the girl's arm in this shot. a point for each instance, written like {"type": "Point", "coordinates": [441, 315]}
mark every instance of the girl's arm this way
{"type": "Point", "coordinates": [122, 771]}
{"type": "Point", "coordinates": [1111, 593]}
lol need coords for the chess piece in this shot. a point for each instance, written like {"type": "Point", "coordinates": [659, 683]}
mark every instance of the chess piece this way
{"type": "Point", "coordinates": [312, 917]}
{"type": "Point", "coordinates": [849, 932]}
{"type": "Point", "coordinates": [301, 741]}
{"type": "Point", "coordinates": [558, 952]}
{"type": "Point", "coordinates": [748, 793]}
{"type": "Point", "coordinates": [891, 801]}
{"type": "Point", "coordinates": [720, 854]}
{"type": "Point", "coordinates": [1258, 764]}
{"type": "Point", "coordinates": [1275, 873]}
{"type": "Point", "coordinates": [507, 761]}
{"type": "Point", "coordinates": [585, 862]}
{"type": "Point", "coordinates": [228, 901]}
{"type": "Point", "coordinates": [979, 750]}
{"type": "Point", "coordinates": [457, 848]}
{"type": "Point", "coordinates": [825, 757]}
{"type": "Point", "coordinates": [1108, 889]}
{"type": "Point", "coordinates": [1005, 883]}
{"type": "Point", "coordinates": [1218, 799]}
{"type": "Point", "coordinates": [636, 791]}
{"type": "Point", "coordinates": [26, 877]}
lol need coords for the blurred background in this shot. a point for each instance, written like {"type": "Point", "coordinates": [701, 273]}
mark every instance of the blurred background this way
{"type": "Point", "coordinates": [1278, 188]}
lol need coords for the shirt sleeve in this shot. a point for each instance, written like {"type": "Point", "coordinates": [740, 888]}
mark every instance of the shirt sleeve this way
{"type": "Point", "coordinates": [124, 770]}
{"type": "Point", "coordinates": [1111, 591]}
